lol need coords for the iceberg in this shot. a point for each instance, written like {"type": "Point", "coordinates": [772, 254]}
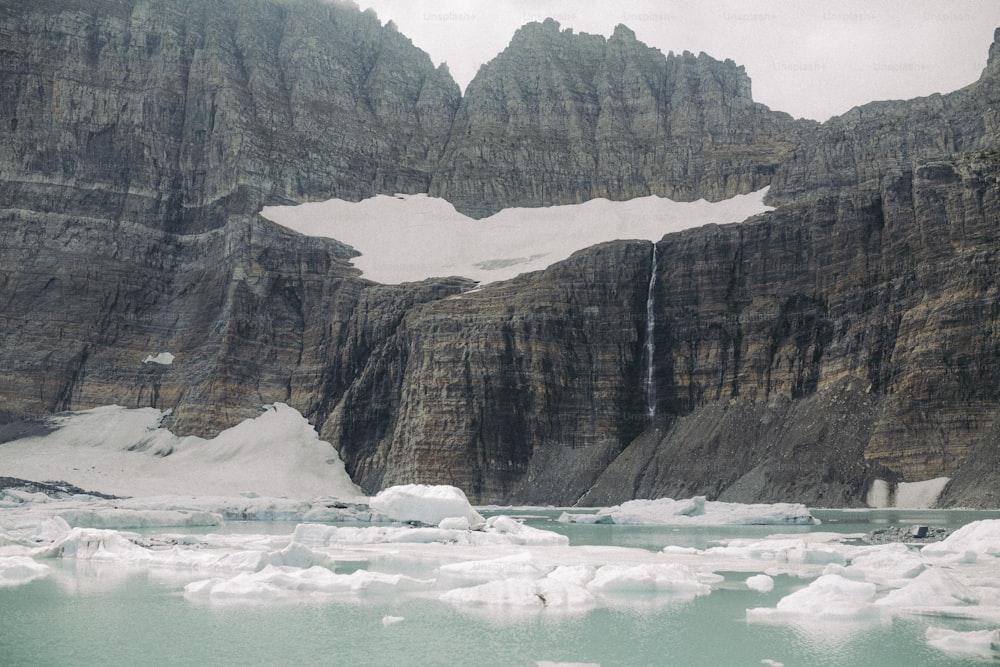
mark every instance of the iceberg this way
{"type": "Point", "coordinates": [18, 570]}
{"type": "Point", "coordinates": [981, 644]}
{"type": "Point", "coordinates": [426, 504]}
{"type": "Point", "coordinates": [696, 511]}
{"type": "Point", "coordinates": [829, 598]}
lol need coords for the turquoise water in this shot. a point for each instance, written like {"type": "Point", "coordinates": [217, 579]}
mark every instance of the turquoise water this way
{"type": "Point", "coordinates": [82, 615]}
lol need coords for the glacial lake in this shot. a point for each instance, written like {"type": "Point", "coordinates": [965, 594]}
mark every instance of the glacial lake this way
{"type": "Point", "coordinates": [87, 613]}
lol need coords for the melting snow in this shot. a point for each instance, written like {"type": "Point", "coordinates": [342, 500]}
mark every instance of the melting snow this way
{"type": "Point", "coordinates": [413, 237]}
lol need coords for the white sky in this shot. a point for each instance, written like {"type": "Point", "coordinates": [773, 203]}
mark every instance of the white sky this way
{"type": "Point", "coordinates": [810, 59]}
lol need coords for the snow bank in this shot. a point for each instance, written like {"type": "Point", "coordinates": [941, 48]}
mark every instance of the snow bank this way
{"type": "Point", "coordinates": [385, 230]}
{"type": "Point", "coordinates": [696, 511]}
{"type": "Point", "coordinates": [906, 495]}
{"type": "Point", "coordinates": [126, 452]}
{"type": "Point", "coordinates": [426, 504]}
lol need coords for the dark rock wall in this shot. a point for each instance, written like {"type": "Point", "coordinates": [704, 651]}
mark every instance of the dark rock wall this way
{"type": "Point", "coordinates": [177, 114]}
{"type": "Point", "coordinates": [559, 118]}
{"type": "Point", "coordinates": [848, 335]}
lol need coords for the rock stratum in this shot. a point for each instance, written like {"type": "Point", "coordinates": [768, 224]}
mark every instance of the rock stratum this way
{"type": "Point", "coordinates": [849, 335]}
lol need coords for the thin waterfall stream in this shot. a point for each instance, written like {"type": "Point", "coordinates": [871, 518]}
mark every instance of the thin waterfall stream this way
{"type": "Point", "coordinates": [648, 347]}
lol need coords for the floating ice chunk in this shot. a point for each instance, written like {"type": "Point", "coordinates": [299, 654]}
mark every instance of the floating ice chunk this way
{"type": "Point", "coordinates": [117, 519]}
{"type": "Point", "coordinates": [772, 663]}
{"type": "Point", "coordinates": [497, 531]}
{"type": "Point", "coordinates": [830, 597]}
{"type": "Point", "coordinates": [299, 555]}
{"type": "Point", "coordinates": [779, 549]}
{"type": "Point", "coordinates": [506, 530]}
{"type": "Point", "coordinates": [454, 523]}
{"type": "Point", "coordinates": [18, 570]}
{"type": "Point", "coordinates": [392, 620]}
{"type": "Point", "coordinates": [163, 358]}
{"type": "Point", "coordinates": [984, 644]}
{"type": "Point", "coordinates": [891, 565]}
{"type": "Point", "coordinates": [95, 544]}
{"type": "Point", "coordinates": [555, 593]}
{"type": "Point", "coordinates": [647, 578]}
{"type": "Point", "coordinates": [695, 511]}
{"type": "Point", "coordinates": [760, 583]}
{"type": "Point", "coordinates": [275, 583]}
{"type": "Point", "coordinates": [978, 537]}
{"type": "Point", "coordinates": [425, 503]}
{"type": "Point", "coordinates": [932, 588]}
{"type": "Point", "coordinates": [522, 565]}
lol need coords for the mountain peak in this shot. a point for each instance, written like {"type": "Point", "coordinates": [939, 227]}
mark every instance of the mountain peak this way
{"type": "Point", "coordinates": [622, 31]}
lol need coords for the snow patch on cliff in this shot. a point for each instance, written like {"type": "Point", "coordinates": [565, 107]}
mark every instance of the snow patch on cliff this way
{"type": "Point", "coordinates": [408, 238]}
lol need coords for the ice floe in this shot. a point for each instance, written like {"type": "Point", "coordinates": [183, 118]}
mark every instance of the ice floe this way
{"type": "Point", "coordinates": [981, 644]}
{"type": "Point", "coordinates": [695, 511]}
{"type": "Point", "coordinates": [18, 570]}
{"type": "Point", "coordinates": [427, 504]}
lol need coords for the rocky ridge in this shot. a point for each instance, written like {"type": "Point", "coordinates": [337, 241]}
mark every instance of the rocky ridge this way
{"type": "Point", "coordinates": [849, 335]}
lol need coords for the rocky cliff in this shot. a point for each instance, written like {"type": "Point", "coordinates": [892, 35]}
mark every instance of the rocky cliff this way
{"type": "Point", "coordinates": [176, 114]}
{"type": "Point", "coordinates": [851, 334]}
{"type": "Point", "coordinates": [560, 118]}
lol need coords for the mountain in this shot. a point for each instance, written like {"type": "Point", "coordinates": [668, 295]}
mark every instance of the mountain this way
{"type": "Point", "coordinates": [849, 335]}
{"type": "Point", "coordinates": [560, 117]}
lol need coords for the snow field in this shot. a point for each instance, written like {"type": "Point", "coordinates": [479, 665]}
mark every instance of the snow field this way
{"type": "Point", "coordinates": [388, 230]}
{"type": "Point", "coordinates": [126, 452]}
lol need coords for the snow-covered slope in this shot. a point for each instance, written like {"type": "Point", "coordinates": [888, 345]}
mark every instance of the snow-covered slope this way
{"type": "Point", "coordinates": [125, 452]}
{"type": "Point", "coordinates": [412, 237]}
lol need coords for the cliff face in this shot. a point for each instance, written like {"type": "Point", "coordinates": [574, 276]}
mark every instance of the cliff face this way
{"type": "Point", "coordinates": [177, 114]}
{"type": "Point", "coordinates": [851, 334]}
{"type": "Point", "coordinates": [559, 118]}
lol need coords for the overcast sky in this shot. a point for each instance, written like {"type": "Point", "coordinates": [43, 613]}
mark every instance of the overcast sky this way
{"type": "Point", "coordinates": [810, 59]}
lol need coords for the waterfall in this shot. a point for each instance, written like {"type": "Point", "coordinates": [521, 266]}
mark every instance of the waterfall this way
{"type": "Point", "coordinates": [649, 346]}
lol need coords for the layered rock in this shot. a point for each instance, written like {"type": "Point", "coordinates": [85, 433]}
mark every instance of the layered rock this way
{"type": "Point", "coordinates": [560, 118]}
{"type": "Point", "coordinates": [480, 389]}
{"type": "Point", "coordinates": [177, 114]}
{"type": "Point", "coordinates": [852, 334]}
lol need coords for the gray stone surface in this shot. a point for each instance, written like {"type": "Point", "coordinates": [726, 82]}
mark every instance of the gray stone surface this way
{"type": "Point", "coordinates": [852, 334]}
